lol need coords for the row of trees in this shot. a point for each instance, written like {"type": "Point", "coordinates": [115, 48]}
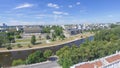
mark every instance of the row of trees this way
{"type": "Point", "coordinates": [35, 57]}
{"type": "Point", "coordinates": [6, 38]}
{"type": "Point", "coordinates": [108, 34]}
{"type": "Point", "coordinates": [106, 42]}
{"type": "Point", "coordinates": [12, 35]}
{"type": "Point", "coordinates": [9, 37]}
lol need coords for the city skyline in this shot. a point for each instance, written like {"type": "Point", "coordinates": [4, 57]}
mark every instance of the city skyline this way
{"type": "Point", "coordinates": [28, 12]}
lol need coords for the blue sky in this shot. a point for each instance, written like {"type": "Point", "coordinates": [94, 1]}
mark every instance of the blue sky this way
{"type": "Point", "coordinates": [27, 12]}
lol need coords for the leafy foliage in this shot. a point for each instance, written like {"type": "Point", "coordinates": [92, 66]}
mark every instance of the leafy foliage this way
{"type": "Point", "coordinates": [108, 35]}
{"type": "Point", "coordinates": [17, 62]}
{"type": "Point", "coordinates": [106, 42]}
{"type": "Point", "coordinates": [33, 40]}
{"type": "Point", "coordinates": [3, 39]}
{"type": "Point", "coordinates": [57, 32]}
{"type": "Point", "coordinates": [8, 46]}
{"type": "Point", "coordinates": [19, 45]}
{"type": "Point", "coordinates": [46, 29]}
{"type": "Point", "coordinates": [10, 37]}
{"type": "Point", "coordinates": [35, 57]}
{"type": "Point", "coordinates": [47, 53]}
{"type": "Point", "coordinates": [18, 36]}
{"type": "Point", "coordinates": [113, 25]}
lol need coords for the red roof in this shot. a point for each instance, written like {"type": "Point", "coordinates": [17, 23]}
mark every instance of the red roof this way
{"type": "Point", "coordinates": [97, 63]}
{"type": "Point", "coordinates": [90, 65]}
{"type": "Point", "coordinates": [113, 58]}
{"type": "Point", "coordinates": [87, 65]}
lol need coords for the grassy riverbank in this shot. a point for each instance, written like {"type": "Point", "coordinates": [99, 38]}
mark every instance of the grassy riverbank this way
{"type": "Point", "coordinates": [44, 44]}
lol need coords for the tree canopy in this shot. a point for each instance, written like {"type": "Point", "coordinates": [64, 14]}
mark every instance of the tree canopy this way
{"type": "Point", "coordinates": [35, 57]}
{"type": "Point", "coordinates": [47, 53]}
{"type": "Point", "coordinates": [33, 40]}
{"type": "Point", "coordinates": [106, 42]}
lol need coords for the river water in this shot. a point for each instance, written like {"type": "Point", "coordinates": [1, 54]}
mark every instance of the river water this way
{"type": "Point", "coordinates": [6, 58]}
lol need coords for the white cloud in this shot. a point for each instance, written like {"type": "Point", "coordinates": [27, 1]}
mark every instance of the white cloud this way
{"type": "Point", "coordinates": [60, 13]}
{"type": "Point", "coordinates": [70, 6]}
{"type": "Point", "coordinates": [25, 5]}
{"type": "Point", "coordinates": [73, 5]}
{"type": "Point", "coordinates": [78, 3]}
{"type": "Point", "coordinates": [53, 5]}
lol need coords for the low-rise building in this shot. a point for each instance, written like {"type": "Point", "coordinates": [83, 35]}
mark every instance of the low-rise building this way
{"type": "Point", "coordinates": [31, 30]}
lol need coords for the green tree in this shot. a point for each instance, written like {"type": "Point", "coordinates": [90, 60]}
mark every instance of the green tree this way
{"type": "Point", "coordinates": [46, 29]}
{"type": "Point", "coordinates": [47, 53]}
{"type": "Point", "coordinates": [62, 36]}
{"type": "Point", "coordinates": [35, 57]}
{"type": "Point", "coordinates": [10, 37]}
{"type": "Point", "coordinates": [113, 25]}
{"type": "Point", "coordinates": [8, 46]}
{"type": "Point", "coordinates": [67, 63]}
{"type": "Point", "coordinates": [53, 36]}
{"type": "Point", "coordinates": [19, 45]}
{"type": "Point", "coordinates": [18, 36]}
{"type": "Point", "coordinates": [33, 40]}
{"type": "Point", "coordinates": [106, 42]}
{"type": "Point", "coordinates": [64, 57]}
{"type": "Point", "coordinates": [3, 39]}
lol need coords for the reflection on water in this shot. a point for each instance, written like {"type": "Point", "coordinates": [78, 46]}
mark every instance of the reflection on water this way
{"type": "Point", "coordinates": [6, 58]}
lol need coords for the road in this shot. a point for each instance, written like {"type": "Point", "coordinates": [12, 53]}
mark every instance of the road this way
{"type": "Point", "coordinates": [48, 64]}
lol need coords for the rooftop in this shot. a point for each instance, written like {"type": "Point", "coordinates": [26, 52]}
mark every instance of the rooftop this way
{"type": "Point", "coordinates": [99, 63]}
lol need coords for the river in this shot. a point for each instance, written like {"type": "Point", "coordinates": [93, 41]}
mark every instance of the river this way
{"type": "Point", "coordinates": [6, 58]}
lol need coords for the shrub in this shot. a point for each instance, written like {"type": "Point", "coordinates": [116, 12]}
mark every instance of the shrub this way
{"type": "Point", "coordinates": [19, 45]}
{"type": "Point", "coordinates": [8, 46]}
{"type": "Point", "coordinates": [11, 39]}
{"type": "Point", "coordinates": [17, 62]}
{"type": "Point", "coordinates": [18, 36]}
{"type": "Point", "coordinates": [29, 45]}
{"type": "Point", "coordinates": [62, 37]}
{"type": "Point", "coordinates": [33, 40]}
{"type": "Point", "coordinates": [47, 37]}
{"type": "Point", "coordinates": [47, 53]}
{"type": "Point", "coordinates": [35, 57]}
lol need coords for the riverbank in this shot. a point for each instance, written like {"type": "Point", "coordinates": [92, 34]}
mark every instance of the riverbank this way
{"type": "Point", "coordinates": [56, 43]}
{"type": "Point", "coordinates": [10, 55]}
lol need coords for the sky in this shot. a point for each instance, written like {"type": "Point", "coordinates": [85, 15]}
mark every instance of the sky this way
{"type": "Point", "coordinates": [43, 12]}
